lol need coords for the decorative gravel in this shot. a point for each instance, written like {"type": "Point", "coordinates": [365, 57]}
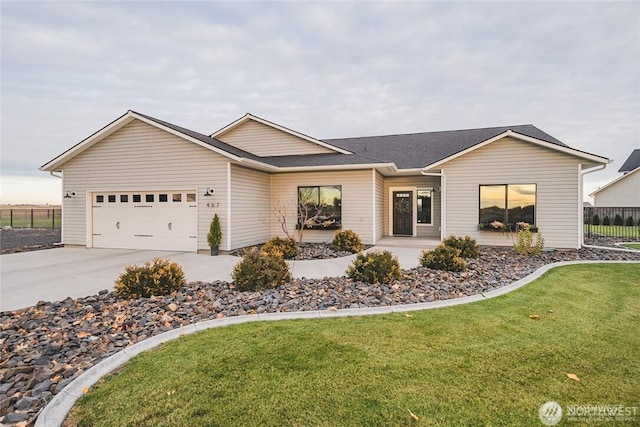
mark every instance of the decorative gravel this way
{"type": "Point", "coordinates": [307, 251]}
{"type": "Point", "coordinates": [28, 239]}
{"type": "Point", "coordinates": [46, 346]}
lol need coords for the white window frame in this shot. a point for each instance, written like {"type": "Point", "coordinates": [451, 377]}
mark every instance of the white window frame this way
{"type": "Point", "coordinates": [423, 224]}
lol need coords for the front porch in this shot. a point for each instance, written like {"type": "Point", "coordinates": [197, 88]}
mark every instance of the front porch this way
{"type": "Point", "coordinates": [408, 242]}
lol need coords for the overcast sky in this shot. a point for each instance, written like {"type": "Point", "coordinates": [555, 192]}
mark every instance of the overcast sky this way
{"type": "Point", "coordinates": [325, 69]}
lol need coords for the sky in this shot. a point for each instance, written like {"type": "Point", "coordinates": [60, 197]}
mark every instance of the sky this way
{"type": "Point", "coordinates": [326, 69]}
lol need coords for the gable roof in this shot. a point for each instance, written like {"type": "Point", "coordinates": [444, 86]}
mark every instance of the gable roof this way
{"type": "Point", "coordinates": [429, 149]}
{"type": "Point", "coordinates": [618, 179]}
{"type": "Point", "coordinates": [632, 162]}
{"type": "Point", "coordinates": [396, 153]}
{"type": "Point", "coordinates": [257, 119]}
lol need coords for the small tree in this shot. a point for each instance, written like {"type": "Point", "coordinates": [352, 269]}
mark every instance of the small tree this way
{"type": "Point", "coordinates": [215, 234]}
{"type": "Point", "coordinates": [617, 220]}
{"type": "Point", "coordinates": [307, 214]}
{"type": "Point", "coordinates": [595, 220]}
{"type": "Point", "coordinates": [629, 222]}
{"type": "Point", "coordinates": [606, 220]}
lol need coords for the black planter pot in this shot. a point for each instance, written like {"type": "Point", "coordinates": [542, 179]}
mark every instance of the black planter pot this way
{"type": "Point", "coordinates": [214, 250]}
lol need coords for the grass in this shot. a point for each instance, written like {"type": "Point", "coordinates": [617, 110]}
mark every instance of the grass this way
{"type": "Point", "coordinates": [631, 245]}
{"type": "Point", "coordinates": [30, 218]}
{"type": "Point", "coordinates": [485, 363]}
{"type": "Point", "coordinates": [614, 230]}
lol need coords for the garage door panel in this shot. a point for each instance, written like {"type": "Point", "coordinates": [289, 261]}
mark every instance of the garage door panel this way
{"type": "Point", "coordinates": [169, 222]}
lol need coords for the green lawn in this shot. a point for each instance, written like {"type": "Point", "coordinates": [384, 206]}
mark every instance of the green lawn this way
{"type": "Point", "coordinates": [631, 245]}
{"type": "Point", "coordinates": [23, 218]}
{"type": "Point", "coordinates": [614, 230]}
{"type": "Point", "coordinates": [486, 363]}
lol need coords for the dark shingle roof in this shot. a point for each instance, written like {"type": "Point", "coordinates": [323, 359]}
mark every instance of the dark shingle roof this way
{"type": "Point", "coordinates": [417, 150]}
{"type": "Point", "coordinates": [632, 162]}
{"type": "Point", "coordinates": [406, 151]}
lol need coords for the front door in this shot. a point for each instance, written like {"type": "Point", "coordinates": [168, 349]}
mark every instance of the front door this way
{"type": "Point", "coordinates": [403, 213]}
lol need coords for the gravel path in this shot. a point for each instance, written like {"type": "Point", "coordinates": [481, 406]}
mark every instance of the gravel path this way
{"type": "Point", "coordinates": [48, 345]}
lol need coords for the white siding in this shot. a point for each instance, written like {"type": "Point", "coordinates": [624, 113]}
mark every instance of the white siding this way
{"type": "Point", "coordinates": [624, 193]}
{"type": "Point", "coordinates": [140, 157]}
{"type": "Point", "coordinates": [511, 161]}
{"type": "Point", "coordinates": [357, 198]}
{"type": "Point", "coordinates": [250, 209]}
{"type": "Point", "coordinates": [263, 140]}
{"type": "Point", "coordinates": [418, 182]}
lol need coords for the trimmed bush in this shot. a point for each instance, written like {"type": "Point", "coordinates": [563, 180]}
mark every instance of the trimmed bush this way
{"type": "Point", "coordinates": [156, 277]}
{"type": "Point", "coordinates": [629, 222]}
{"type": "Point", "coordinates": [444, 258]}
{"type": "Point", "coordinates": [526, 245]}
{"type": "Point", "coordinates": [606, 220]}
{"type": "Point", "coordinates": [467, 245]}
{"type": "Point", "coordinates": [375, 267]}
{"type": "Point", "coordinates": [595, 220]}
{"type": "Point", "coordinates": [346, 241]}
{"type": "Point", "coordinates": [617, 220]}
{"type": "Point", "coordinates": [288, 247]}
{"type": "Point", "coordinates": [260, 270]}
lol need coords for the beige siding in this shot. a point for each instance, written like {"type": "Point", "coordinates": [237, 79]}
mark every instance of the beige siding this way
{"type": "Point", "coordinates": [140, 157]}
{"type": "Point", "coordinates": [357, 198]}
{"type": "Point", "coordinates": [624, 193]}
{"type": "Point", "coordinates": [379, 205]}
{"type": "Point", "coordinates": [417, 182]}
{"type": "Point", "coordinates": [250, 210]}
{"type": "Point", "coordinates": [263, 140]}
{"type": "Point", "coordinates": [510, 161]}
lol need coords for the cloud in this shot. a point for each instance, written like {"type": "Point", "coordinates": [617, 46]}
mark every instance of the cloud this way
{"type": "Point", "coordinates": [325, 69]}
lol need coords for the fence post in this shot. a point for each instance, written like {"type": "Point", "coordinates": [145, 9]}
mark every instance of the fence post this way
{"type": "Point", "coordinates": [11, 218]}
{"type": "Point", "coordinates": [32, 219]}
{"type": "Point", "coordinates": [53, 219]}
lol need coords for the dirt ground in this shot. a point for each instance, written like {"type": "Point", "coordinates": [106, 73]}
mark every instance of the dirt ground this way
{"type": "Point", "coordinates": [27, 239]}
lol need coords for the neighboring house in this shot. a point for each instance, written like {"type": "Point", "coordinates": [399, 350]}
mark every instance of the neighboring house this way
{"type": "Point", "coordinates": [143, 183]}
{"type": "Point", "coordinates": [623, 191]}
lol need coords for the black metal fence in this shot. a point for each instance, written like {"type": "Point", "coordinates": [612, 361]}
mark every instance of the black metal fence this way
{"type": "Point", "coordinates": [621, 223]}
{"type": "Point", "coordinates": [31, 218]}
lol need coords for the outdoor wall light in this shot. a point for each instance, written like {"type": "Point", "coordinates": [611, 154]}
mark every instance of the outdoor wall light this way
{"type": "Point", "coordinates": [70, 194]}
{"type": "Point", "coordinates": [210, 192]}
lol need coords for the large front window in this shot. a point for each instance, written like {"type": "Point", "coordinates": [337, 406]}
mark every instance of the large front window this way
{"type": "Point", "coordinates": [508, 204]}
{"type": "Point", "coordinates": [320, 207]}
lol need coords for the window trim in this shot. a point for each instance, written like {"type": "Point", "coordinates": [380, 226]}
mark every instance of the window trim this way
{"type": "Point", "coordinates": [506, 203]}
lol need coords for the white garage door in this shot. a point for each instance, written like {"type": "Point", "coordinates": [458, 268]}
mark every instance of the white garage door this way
{"type": "Point", "coordinates": [161, 220]}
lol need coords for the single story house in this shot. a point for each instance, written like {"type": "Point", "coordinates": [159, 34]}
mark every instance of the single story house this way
{"type": "Point", "coordinates": [144, 183]}
{"type": "Point", "coordinates": [623, 191]}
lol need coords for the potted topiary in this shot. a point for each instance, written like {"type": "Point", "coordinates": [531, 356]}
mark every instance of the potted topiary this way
{"type": "Point", "coordinates": [215, 235]}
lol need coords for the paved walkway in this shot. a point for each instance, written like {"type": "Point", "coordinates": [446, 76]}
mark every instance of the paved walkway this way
{"type": "Point", "coordinates": [54, 274]}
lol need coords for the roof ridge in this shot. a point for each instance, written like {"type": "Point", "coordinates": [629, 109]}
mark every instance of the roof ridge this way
{"type": "Point", "coordinates": [437, 131]}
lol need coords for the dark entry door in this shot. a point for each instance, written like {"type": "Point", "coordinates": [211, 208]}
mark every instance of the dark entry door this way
{"type": "Point", "coordinates": [403, 213]}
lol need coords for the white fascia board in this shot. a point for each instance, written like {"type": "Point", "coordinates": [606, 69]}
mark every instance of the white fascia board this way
{"type": "Point", "coordinates": [620, 178]}
{"type": "Point", "coordinates": [52, 165]}
{"type": "Point", "coordinates": [337, 167]}
{"type": "Point", "coordinates": [249, 116]}
{"type": "Point", "coordinates": [516, 135]}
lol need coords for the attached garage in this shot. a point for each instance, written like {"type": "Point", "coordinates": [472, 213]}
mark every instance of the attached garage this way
{"type": "Point", "coordinates": [159, 220]}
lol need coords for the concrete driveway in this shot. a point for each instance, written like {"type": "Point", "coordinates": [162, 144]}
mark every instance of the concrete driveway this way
{"type": "Point", "coordinates": [55, 274]}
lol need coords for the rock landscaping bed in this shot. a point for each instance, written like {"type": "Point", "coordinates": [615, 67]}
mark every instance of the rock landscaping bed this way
{"type": "Point", "coordinates": [28, 239]}
{"type": "Point", "coordinates": [48, 345]}
{"type": "Point", "coordinates": [307, 251]}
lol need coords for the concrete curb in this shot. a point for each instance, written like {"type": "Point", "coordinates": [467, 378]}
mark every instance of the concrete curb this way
{"type": "Point", "coordinates": [57, 409]}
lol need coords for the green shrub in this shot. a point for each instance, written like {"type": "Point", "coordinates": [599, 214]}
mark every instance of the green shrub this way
{"type": "Point", "coordinates": [618, 220]}
{"type": "Point", "coordinates": [156, 277]}
{"type": "Point", "coordinates": [347, 241]}
{"type": "Point", "coordinates": [467, 245]}
{"type": "Point", "coordinates": [629, 222]}
{"type": "Point", "coordinates": [288, 247]}
{"type": "Point", "coordinates": [260, 270]}
{"type": "Point", "coordinates": [215, 234]}
{"type": "Point", "coordinates": [443, 257]}
{"type": "Point", "coordinates": [375, 267]}
{"type": "Point", "coordinates": [606, 220]}
{"type": "Point", "coordinates": [595, 220]}
{"type": "Point", "coordinates": [526, 245]}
